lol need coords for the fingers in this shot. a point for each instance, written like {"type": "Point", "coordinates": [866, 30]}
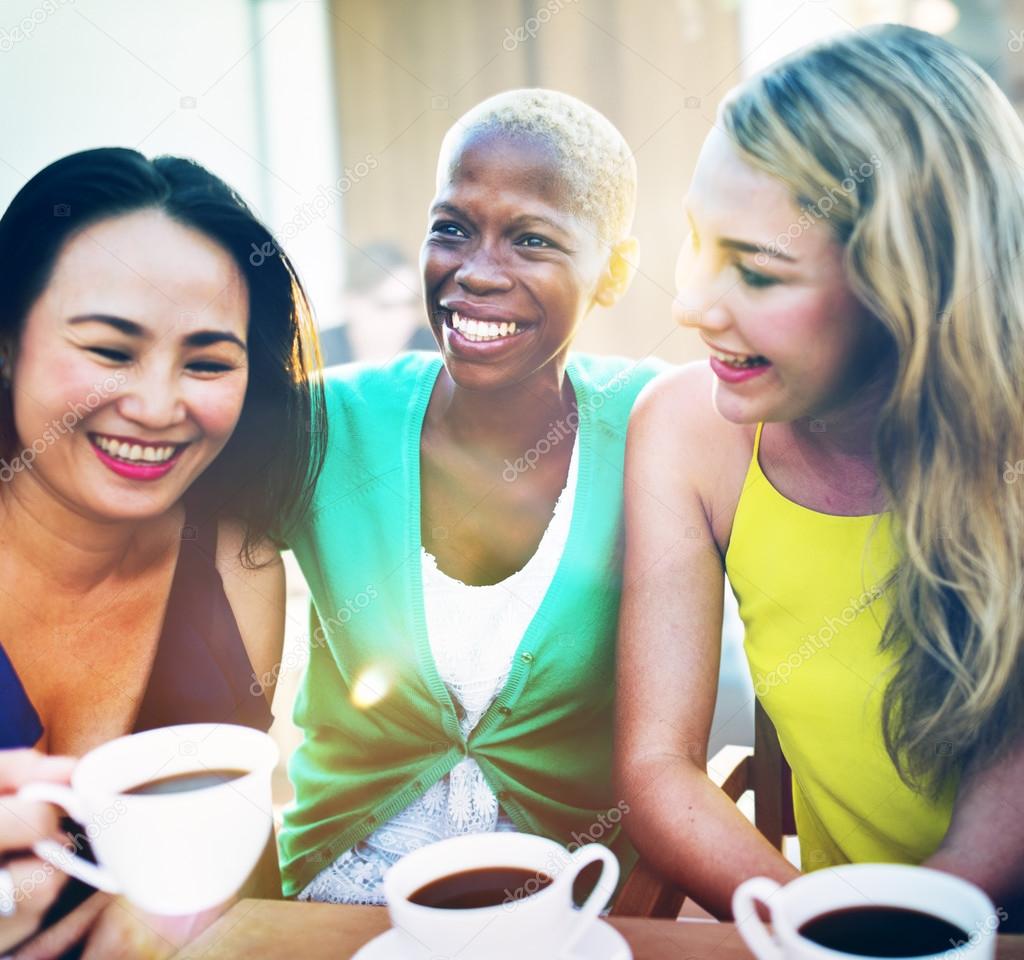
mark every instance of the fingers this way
{"type": "Point", "coordinates": [113, 929]}
{"type": "Point", "coordinates": [55, 941]}
{"type": "Point", "coordinates": [124, 932]}
{"type": "Point", "coordinates": [18, 767]}
{"type": "Point", "coordinates": [36, 886]}
{"type": "Point", "coordinates": [36, 883]}
{"type": "Point", "coordinates": [23, 822]}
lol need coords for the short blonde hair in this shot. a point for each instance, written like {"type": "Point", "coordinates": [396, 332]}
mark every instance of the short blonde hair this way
{"type": "Point", "coordinates": [592, 156]}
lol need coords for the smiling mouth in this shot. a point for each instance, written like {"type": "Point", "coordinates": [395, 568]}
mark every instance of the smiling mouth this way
{"type": "Point", "coordinates": [481, 331]}
{"type": "Point", "coordinates": [134, 452]}
{"type": "Point", "coordinates": [740, 361]}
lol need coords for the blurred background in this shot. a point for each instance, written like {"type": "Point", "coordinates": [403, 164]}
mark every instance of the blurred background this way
{"type": "Point", "coordinates": [326, 116]}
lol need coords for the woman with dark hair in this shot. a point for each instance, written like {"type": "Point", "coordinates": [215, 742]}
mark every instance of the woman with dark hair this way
{"type": "Point", "coordinates": [158, 421]}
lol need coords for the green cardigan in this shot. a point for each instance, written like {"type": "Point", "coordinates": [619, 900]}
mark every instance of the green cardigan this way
{"type": "Point", "coordinates": [379, 724]}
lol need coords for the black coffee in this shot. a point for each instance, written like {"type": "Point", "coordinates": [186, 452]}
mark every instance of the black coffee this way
{"type": "Point", "coordinates": [181, 782]}
{"type": "Point", "coordinates": [484, 887]}
{"type": "Point", "coordinates": [883, 932]}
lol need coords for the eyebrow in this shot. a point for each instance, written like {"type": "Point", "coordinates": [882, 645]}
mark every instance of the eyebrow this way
{"type": "Point", "coordinates": [745, 246]}
{"type": "Point", "coordinates": [525, 218]}
{"type": "Point", "coordinates": [201, 338]}
{"type": "Point", "coordinates": [445, 207]}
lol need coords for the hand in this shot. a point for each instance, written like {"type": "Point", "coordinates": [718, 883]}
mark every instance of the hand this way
{"type": "Point", "coordinates": [114, 929]}
{"type": "Point", "coordinates": [36, 883]}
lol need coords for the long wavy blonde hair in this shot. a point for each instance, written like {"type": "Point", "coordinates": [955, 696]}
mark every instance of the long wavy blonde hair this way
{"type": "Point", "coordinates": [921, 158]}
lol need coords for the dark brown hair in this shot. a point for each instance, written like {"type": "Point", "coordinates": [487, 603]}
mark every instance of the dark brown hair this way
{"type": "Point", "coordinates": [264, 477]}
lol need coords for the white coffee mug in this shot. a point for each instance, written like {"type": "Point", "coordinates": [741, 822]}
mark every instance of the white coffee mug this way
{"type": "Point", "coordinates": [174, 853]}
{"type": "Point", "coordinates": [531, 922]}
{"type": "Point", "coordinates": [861, 885]}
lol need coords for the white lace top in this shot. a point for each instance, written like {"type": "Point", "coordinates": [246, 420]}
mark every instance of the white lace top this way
{"type": "Point", "coordinates": [474, 633]}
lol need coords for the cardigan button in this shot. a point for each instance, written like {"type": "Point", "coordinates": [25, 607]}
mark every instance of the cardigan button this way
{"type": "Point", "coordinates": [504, 711]}
{"type": "Point", "coordinates": [527, 658]}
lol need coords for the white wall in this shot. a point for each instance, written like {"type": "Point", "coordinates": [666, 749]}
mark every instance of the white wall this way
{"type": "Point", "coordinates": [243, 86]}
{"type": "Point", "coordinates": [769, 31]}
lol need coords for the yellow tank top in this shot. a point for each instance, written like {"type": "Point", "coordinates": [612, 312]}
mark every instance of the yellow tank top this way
{"type": "Point", "coordinates": [809, 591]}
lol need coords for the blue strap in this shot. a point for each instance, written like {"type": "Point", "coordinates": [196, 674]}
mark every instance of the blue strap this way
{"type": "Point", "coordinates": [20, 725]}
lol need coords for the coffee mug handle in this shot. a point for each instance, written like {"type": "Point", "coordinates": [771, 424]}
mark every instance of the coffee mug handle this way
{"type": "Point", "coordinates": [751, 927]}
{"type": "Point", "coordinates": [56, 853]}
{"type": "Point", "coordinates": [601, 893]}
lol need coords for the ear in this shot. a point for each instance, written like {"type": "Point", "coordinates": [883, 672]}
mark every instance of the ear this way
{"type": "Point", "coordinates": [618, 272]}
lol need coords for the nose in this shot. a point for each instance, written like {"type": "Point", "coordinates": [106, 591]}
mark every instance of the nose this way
{"type": "Point", "coordinates": [699, 313]}
{"type": "Point", "coordinates": [152, 399]}
{"type": "Point", "coordinates": [483, 272]}
{"type": "Point", "coordinates": [701, 291]}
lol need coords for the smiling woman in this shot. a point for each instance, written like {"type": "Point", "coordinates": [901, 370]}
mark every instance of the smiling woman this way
{"type": "Point", "coordinates": [857, 222]}
{"type": "Point", "coordinates": [171, 383]}
{"type": "Point", "coordinates": [479, 495]}
{"type": "Point", "coordinates": [183, 362]}
{"type": "Point", "coordinates": [156, 255]}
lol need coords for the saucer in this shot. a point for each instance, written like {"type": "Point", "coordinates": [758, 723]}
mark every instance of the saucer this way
{"type": "Point", "coordinates": [601, 942]}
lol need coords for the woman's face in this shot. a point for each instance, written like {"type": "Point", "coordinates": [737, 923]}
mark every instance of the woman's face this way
{"type": "Point", "coordinates": [131, 369]}
{"type": "Point", "coordinates": [508, 271]}
{"type": "Point", "coordinates": [765, 286]}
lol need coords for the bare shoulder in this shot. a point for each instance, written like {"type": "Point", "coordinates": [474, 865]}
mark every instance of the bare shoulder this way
{"type": "Point", "coordinates": [679, 402]}
{"type": "Point", "coordinates": [256, 595]}
{"type": "Point", "coordinates": [676, 428]}
{"type": "Point", "coordinates": [230, 537]}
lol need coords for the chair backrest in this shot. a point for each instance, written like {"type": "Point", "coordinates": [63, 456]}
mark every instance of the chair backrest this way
{"type": "Point", "coordinates": [772, 782]}
{"type": "Point", "coordinates": [735, 770]}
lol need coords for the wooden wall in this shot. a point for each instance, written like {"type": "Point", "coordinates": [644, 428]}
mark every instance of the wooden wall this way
{"type": "Point", "coordinates": [406, 69]}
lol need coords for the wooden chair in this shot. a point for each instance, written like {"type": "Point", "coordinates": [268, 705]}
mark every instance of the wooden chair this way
{"type": "Point", "coordinates": [762, 770]}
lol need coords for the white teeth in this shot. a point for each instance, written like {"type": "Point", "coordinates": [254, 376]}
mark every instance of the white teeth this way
{"type": "Point", "coordinates": [478, 330]}
{"type": "Point", "coordinates": [739, 360]}
{"type": "Point", "coordinates": [134, 451]}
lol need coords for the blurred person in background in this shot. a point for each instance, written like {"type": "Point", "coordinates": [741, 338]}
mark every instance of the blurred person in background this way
{"type": "Point", "coordinates": [383, 309]}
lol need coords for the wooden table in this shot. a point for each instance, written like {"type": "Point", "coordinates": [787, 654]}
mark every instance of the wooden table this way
{"type": "Point", "coordinates": [275, 930]}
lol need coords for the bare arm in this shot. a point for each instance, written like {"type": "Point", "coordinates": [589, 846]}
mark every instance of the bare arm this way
{"type": "Point", "coordinates": [669, 648]}
{"type": "Point", "coordinates": [985, 839]}
{"type": "Point", "coordinates": [35, 884]}
{"type": "Point", "coordinates": [257, 599]}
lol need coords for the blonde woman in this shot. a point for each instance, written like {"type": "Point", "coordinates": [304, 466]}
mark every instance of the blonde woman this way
{"type": "Point", "coordinates": [857, 222]}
